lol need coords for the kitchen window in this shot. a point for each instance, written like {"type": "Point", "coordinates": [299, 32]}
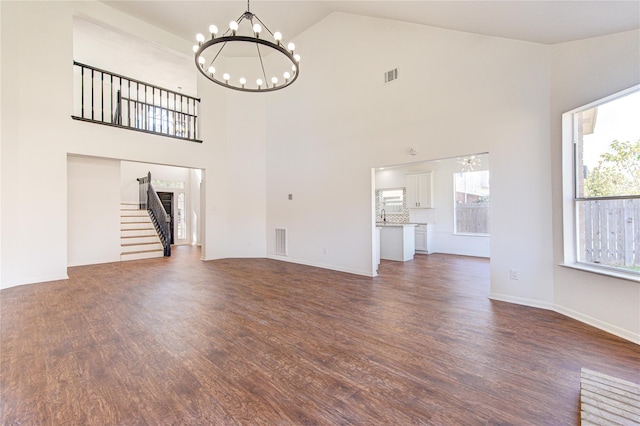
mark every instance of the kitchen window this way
{"type": "Point", "coordinates": [601, 171]}
{"type": "Point", "coordinates": [392, 200]}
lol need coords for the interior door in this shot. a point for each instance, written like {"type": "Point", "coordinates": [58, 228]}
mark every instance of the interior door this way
{"type": "Point", "coordinates": [166, 198]}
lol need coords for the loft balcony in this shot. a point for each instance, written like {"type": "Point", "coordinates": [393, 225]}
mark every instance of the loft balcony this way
{"type": "Point", "coordinates": [111, 99]}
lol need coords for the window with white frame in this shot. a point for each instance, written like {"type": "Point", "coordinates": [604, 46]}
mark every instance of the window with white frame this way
{"type": "Point", "coordinates": [601, 170]}
{"type": "Point", "coordinates": [471, 202]}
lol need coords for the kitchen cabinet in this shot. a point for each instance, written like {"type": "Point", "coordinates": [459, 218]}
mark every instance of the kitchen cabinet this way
{"type": "Point", "coordinates": [424, 238]}
{"type": "Point", "coordinates": [419, 190]}
{"type": "Point", "coordinates": [397, 242]}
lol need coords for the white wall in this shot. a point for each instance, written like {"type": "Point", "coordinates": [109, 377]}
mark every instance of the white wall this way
{"type": "Point", "coordinates": [457, 93]}
{"type": "Point", "coordinates": [93, 215]}
{"type": "Point", "coordinates": [32, 249]}
{"type": "Point", "coordinates": [585, 71]}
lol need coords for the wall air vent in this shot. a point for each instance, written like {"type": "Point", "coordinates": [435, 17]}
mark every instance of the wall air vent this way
{"type": "Point", "coordinates": [281, 241]}
{"type": "Point", "coordinates": [391, 75]}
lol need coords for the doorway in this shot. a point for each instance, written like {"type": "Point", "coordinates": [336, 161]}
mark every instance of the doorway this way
{"type": "Point", "coordinates": [450, 206]}
{"type": "Point", "coordinates": [166, 198]}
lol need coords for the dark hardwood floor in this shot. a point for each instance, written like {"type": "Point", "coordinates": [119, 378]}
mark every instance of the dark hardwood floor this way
{"type": "Point", "coordinates": [257, 341]}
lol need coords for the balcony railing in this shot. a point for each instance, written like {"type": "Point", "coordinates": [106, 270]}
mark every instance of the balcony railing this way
{"type": "Point", "coordinates": [112, 99]}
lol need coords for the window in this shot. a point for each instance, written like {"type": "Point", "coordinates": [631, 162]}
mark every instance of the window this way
{"type": "Point", "coordinates": [181, 221]}
{"type": "Point", "coordinates": [159, 183]}
{"type": "Point", "coordinates": [602, 183]}
{"type": "Point", "coordinates": [391, 200]}
{"type": "Point", "coordinates": [471, 202]}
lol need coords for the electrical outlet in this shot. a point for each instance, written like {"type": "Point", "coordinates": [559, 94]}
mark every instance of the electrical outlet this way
{"type": "Point", "coordinates": [514, 274]}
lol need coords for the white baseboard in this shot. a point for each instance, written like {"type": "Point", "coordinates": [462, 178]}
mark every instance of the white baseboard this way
{"type": "Point", "coordinates": [586, 319]}
{"type": "Point", "coordinates": [602, 325]}
{"type": "Point", "coordinates": [35, 281]}
{"type": "Point", "coordinates": [320, 265]}
{"type": "Point", "coordinates": [521, 301]}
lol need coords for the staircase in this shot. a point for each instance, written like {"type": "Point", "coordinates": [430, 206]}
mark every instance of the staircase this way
{"type": "Point", "coordinates": [138, 237]}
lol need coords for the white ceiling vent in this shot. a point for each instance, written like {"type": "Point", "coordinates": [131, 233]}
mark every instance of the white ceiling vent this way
{"type": "Point", "coordinates": [391, 75]}
{"type": "Point", "coordinates": [281, 241]}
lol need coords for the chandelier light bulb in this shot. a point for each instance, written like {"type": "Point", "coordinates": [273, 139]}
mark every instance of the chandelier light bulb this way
{"type": "Point", "coordinates": [213, 29]}
{"type": "Point", "coordinates": [296, 57]}
{"type": "Point", "coordinates": [257, 28]}
{"type": "Point", "coordinates": [233, 26]}
{"type": "Point", "coordinates": [226, 77]}
{"type": "Point", "coordinates": [243, 81]}
{"type": "Point", "coordinates": [201, 60]}
{"type": "Point", "coordinates": [259, 82]}
{"type": "Point", "coordinates": [195, 48]}
{"type": "Point", "coordinates": [200, 38]}
{"type": "Point", "coordinates": [274, 80]}
{"type": "Point", "coordinates": [211, 70]}
{"type": "Point", "coordinates": [277, 36]}
{"type": "Point", "coordinates": [287, 76]}
{"type": "Point", "coordinates": [293, 68]}
{"type": "Point", "coordinates": [291, 46]}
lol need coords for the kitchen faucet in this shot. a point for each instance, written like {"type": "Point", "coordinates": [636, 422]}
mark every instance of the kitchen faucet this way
{"type": "Point", "coordinates": [383, 215]}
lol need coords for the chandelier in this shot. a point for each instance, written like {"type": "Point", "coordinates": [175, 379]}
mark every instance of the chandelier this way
{"type": "Point", "coordinates": [468, 163]}
{"type": "Point", "coordinates": [255, 59]}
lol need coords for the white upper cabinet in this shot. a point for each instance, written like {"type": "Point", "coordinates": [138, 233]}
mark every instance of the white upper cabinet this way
{"type": "Point", "coordinates": [420, 190]}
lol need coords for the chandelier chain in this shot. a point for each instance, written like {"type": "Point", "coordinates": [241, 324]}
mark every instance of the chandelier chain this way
{"type": "Point", "coordinates": [261, 63]}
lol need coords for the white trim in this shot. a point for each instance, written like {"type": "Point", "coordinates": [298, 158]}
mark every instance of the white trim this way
{"type": "Point", "coordinates": [603, 271]}
{"type": "Point", "coordinates": [602, 325]}
{"type": "Point", "coordinates": [321, 265]}
{"type": "Point", "coordinates": [46, 279]}
{"type": "Point", "coordinates": [521, 301]}
{"type": "Point", "coordinates": [569, 219]}
{"type": "Point", "coordinates": [585, 319]}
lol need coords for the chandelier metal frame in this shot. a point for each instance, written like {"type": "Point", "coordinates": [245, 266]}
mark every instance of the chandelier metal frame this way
{"type": "Point", "coordinates": [231, 36]}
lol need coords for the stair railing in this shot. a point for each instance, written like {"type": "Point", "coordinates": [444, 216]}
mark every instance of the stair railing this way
{"type": "Point", "coordinates": [150, 201]}
{"type": "Point", "coordinates": [104, 97]}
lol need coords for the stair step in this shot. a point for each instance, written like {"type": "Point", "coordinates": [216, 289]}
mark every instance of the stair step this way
{"type": "Point", "coordinates": [141, 248]}
{"type": "Point", "coordinates": [140, 244]}
{"type": "Point", "coordinates": [130, 207]}
{"type": "Point", "coordinates": [134, 213]}
{"type": "Point", "coordinates": [136, 225]}
{"type": "Point", "coordinates": [137, 232]}
{"type": "Point", "coordinates": [128, 220]}
{"type": "Point", "coordinates": [148, 254]}
{"type": "Point", "coordinates": [139, 239]}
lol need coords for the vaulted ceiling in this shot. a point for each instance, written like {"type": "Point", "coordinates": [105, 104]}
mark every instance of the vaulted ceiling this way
{"type": "Point", "coordinates": [546, 22]}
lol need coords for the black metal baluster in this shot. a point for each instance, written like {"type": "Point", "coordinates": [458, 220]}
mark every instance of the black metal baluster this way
{"type": "Point", "coordinates": [167, 110]}
{"type": "Point", "coordinates": [92, 83]}
{"type": "Point", "coordinates": [155, 119]}
{"type": "Point", "coordinates": [195, 120]}
{"type": "Point", "coordinates": [146, 107]}
{"type": "Point", "coordinates": [129, 103]}
{"type": "Point", "coordinates": [175, 123]}
{"type": "Point", "coordinates": [82, 90]}
{"type": "Point", "coordinates": [188, 115]}
{"type": "Point", "coordinates": [101, 96]}
{"type": "Point", "coordinates": [111, 94]}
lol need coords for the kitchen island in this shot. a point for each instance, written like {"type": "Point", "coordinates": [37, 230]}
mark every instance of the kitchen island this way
{"type": "Point", "coordinates": [397, 241]}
